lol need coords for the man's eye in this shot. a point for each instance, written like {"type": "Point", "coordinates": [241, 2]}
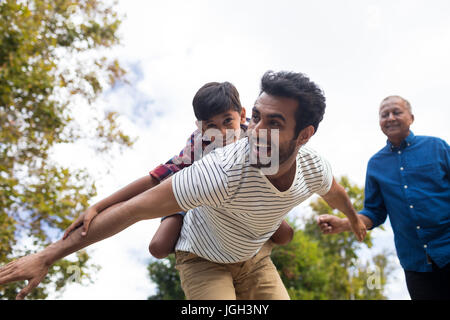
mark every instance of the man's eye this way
{"type": "Point", "coordinates": [227, 121]}
{"type": "Point", "coordinates": [209, 126]}
{"type": "Point", "coordinates": [255, 117]}
{"type": "Point", "coordinates": [274, 123]}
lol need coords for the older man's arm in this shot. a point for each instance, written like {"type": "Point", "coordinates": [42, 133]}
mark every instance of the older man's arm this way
{"type": "Point", "coordinates": [156, 202]}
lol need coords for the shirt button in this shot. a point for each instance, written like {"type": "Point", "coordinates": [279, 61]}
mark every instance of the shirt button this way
{"type": "Point", "coordinates": [425, 246]}
{"type": "Point", "coordinates": [411, 206]}
{"type": "Point", "coordinates": [399, 152]}
{"type": "Point", "coordinates": [418, 227]}
{"type": "Point", "coordinates": [405, 186]}
{"type": "Point", "coordinates": [401, 168]}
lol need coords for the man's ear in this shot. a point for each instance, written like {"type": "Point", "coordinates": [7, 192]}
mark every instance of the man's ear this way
{"type": "Point", "coordinates": [243, 114]}
{"type": "Point", "coordinates": [305, 135]}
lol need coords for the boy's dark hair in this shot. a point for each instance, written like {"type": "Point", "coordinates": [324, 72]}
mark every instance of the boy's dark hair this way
{"type": "Point", "coordinates": [311, 101]}
{"type": "Point", "coordinates": [214, 98]}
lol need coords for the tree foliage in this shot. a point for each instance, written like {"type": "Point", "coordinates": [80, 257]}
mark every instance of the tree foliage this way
{"type": "Point", "coordinates": [312, 265]}
{"type": "Point", "coordinates": [52, 61]}
{"type": "Point", "coordinates": [318, 266]}
{"type": "Point", "coordinates": [166, 276]}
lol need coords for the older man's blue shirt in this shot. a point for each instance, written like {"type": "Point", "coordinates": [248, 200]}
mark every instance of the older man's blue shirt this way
{"type": "Point", "coordinates": [411, 184]}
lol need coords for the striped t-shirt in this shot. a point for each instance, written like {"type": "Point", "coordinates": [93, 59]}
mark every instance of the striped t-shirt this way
{"type": "Point", "coordinates": [233, 209]}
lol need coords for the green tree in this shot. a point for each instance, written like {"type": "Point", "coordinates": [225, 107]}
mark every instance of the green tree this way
{"type": "Point", "coordinates": [52, 60]}
{"type": "Point", "coordinates": [318, 266]}
{"type": "Point", "coordinates": [312, 265]}
{"type": "Point", "coordinates": [166, 276]}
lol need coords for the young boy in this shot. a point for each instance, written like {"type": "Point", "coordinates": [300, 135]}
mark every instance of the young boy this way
{"type": "Point", "coordinates": [220, 120]}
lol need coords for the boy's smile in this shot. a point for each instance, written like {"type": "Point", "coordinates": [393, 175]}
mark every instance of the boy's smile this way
{"type": "Point", "coordinates": [222, 128]}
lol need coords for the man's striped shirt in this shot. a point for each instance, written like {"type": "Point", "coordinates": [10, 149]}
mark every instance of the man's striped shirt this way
{"type": "Point", "coordinates": [233, 209]}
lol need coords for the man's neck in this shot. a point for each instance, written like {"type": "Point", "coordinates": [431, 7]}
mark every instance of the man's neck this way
{"type": "Point", "coordinates": [397, 141]}
{"type": "Point", "coordinates": [285, 176]}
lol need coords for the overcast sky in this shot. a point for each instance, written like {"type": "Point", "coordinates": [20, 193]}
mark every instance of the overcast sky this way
{"type": "Point", "coordinates": [358, 52]}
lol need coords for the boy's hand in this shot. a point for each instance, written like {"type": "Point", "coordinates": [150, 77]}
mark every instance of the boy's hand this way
{"type": "Point", "coordinates": [359, 229]}
{"type": "Point", "coordinates": [83, 220]}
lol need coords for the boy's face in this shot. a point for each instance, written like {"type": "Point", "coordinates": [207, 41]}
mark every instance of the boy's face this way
{"type": "Point", "coordinates": [225, 126]}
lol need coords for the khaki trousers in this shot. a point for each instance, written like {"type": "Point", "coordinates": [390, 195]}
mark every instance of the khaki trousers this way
{"type": "Point", "coordinates": [254, 279]}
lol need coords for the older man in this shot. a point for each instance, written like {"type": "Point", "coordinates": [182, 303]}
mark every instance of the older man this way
{"type": "Point", "coordinates": [408, 180]}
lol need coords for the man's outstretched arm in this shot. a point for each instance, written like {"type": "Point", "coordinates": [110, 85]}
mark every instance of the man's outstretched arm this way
{"type": "Point", "coordinates": [330, 224]}
{"type": "Point", "coordinates": [156, 202]}
{"type": "Point", "coordinates": [337, 198]}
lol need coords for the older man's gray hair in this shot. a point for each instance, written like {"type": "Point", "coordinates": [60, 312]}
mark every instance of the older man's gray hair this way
{"type": "Point", "coordinates": [407, 104]}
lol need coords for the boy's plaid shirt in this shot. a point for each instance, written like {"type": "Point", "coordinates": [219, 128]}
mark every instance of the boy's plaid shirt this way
{"type": "Point", "coordinates": [187, 156]}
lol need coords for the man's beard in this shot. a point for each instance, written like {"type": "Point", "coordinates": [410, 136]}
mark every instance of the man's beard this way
{"type": "Point", "coordinates": [269, 156]}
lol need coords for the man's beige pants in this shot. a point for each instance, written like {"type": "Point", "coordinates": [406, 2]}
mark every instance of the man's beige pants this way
{"type": "Point", "coordinates": [256, 278]}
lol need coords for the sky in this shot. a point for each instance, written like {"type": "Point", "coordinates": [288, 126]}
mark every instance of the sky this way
{"type": "Point", "coordinates": [358, 52]}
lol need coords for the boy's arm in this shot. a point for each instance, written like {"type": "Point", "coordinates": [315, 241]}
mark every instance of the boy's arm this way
{"type": "Point", "coordinates": [136, 187]}
{"type": "Point", "coordinates": [184, 159]}
{"type": "Point", "coordinates": [153, 203]}
{"type": "Point", "coordinates": [337, 198]}
{"type": "Point", "coordinates": [124, 194]}
{"type": "Point", "coordinates": [158, 174]}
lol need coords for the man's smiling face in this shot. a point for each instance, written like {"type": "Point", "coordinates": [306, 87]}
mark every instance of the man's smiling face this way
{"type": "Point", "coordinates": [395, 119]}
{"type": "Point", "coordinates": [272, 126]}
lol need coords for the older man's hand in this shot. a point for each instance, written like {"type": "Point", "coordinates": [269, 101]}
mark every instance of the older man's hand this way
{"type": "Point", "coordinates": [32, 268]}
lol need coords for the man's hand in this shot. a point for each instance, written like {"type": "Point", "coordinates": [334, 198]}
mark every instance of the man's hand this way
{"type": "Point", "coordinates": [83, 220]}
{"type": "Point", "coordinates": [359, 229]}
{"type": "Point", "coordinates": [330, 224]}
{"type": "Point", "coordinates": [154, 203]}
{"type": "Point", "coordinates": [32, 268]}
{"type": "Point", "coordinates": [337, 198]}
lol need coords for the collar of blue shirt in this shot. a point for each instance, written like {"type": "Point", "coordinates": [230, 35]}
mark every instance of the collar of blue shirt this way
{"type": "Point", "coordinates": [405, 143]}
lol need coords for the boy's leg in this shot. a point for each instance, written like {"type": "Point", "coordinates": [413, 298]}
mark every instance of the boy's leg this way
{"type": "Point", "coordinates": [283, 235]}
{"type": "Point", "coordinates": [166, 237]}
{"type": "Point", "coordinates": [202, 279]}
{"type": "Point", "coordinates": [259, 278]}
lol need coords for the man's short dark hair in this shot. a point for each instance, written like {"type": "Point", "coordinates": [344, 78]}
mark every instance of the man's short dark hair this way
{"type": "Point", "coordinates": [310, 98]}
{"type": "Point", "coordinates": [215, 98]}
